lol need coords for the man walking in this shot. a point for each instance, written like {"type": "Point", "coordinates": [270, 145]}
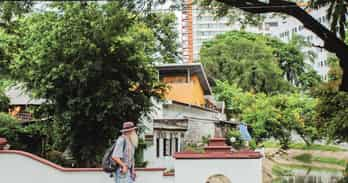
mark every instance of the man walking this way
{"type": "Point", "coordinates": [123, 153]}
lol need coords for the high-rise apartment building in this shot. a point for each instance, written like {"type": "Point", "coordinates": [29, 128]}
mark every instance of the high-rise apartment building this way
{"type": "Point", "coordinates": [284, 29]}
{"type": "Point", "coordinates": [196, 25]}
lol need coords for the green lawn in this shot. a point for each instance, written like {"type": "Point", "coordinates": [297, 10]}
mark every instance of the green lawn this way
{"type": "Point", "coordinates": [308, 158]}
{"type": "Point", "coordinates": [330, 160]}
{"type": "Point", "coordinates": [316, 147]}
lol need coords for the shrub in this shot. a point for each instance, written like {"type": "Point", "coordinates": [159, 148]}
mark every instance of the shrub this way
{"type": "Point", "coordinates": [4, 102]}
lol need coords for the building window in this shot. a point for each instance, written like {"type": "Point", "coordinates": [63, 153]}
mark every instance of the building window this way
{"type": "Point", "coordinates": [170, 146]}
{"type": "Point", "coordinates": [165, 147]}
{"type": "Point", "coordinates": [157, 147]}
{"type": "Point", "coordinates": [176, 145]}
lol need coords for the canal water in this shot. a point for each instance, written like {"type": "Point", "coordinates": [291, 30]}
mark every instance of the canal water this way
{"type": "Point", "coordinates": [308, 175]}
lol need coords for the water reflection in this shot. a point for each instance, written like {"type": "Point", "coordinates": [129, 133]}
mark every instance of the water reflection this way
{"type": "Point", "coordinates": [308, 175]}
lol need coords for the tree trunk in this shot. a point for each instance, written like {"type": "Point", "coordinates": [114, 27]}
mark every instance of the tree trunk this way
{"type": "Point", "coordinates": [344, 65]}
{"type": "Point", "coordinates": [331, 42]}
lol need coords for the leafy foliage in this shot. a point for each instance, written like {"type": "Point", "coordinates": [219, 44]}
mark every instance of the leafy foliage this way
{"type": "Point", "coordinates": [333, 40]}
{"type": "Point", "coordinates": [291, 59]}
{"type": "Point", "coordinates": [271, 116]}
{"type": "Point", "coordinates": [235, 134]}
{"type": "Point", "coordinates": [4, 102]}
{"type": "Point", "coordinates": [29, 138]}
{"type": "Point", "coordinates": [259, 63]}
{"type": "Point", "coordinates": [333, 105]}
{"type": "Point", "coordinates": [164, 26]}
{"type": "Point", "coordinates": [11, 11]}
{"type": "Point", "coordinates": [332, 114]}
{"type": "Point", "coordinates": [248, 56]}
{"type": "Point", "coordinates": [6, 45]}
{"type": "Point", "coordinates": [93, 64]}
{"type": "Point", "coordinates": [336, 14]}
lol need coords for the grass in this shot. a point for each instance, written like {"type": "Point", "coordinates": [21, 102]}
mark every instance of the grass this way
{"type": "Point", "coordinates": [271, 144]}
{"type": "Point", "coordinates": [308, 158]}
{"type": "Point", "coordinates": [281, 171]}
{"type": "Point", "coordinates": [303, 146]}
{"type": "Point", "coordinates": [330, 160]}
{"type": "Point", "coordinates": [306, 167]}
{"type": "Point", "coordinates": [316, 147]}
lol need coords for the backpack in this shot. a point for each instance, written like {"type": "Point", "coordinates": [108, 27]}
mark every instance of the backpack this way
{"type": "Point", "coordinates": [108, 164]}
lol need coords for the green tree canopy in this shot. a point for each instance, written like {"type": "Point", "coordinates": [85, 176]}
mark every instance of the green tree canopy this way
{"type": "Point", "coordinates": [271, 116]}
{"type": "Point", "coordinates": [93, 64]}
{"type": "Point", "coordinates": [259, 62]}
{"type": "Point", "coordinates": [11, 11]}
{"type": "Point", "coordinates": [244, 59]}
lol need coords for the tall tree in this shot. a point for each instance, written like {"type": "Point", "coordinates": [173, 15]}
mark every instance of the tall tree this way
{"type": "Point", "coordinates": [164, 29]}
{"type": "Point", "coordinates": [244, 59]}
{"type": "Point", "coordinates": [294, 61]}
{"type": "Point", "coordinates": [333, 105]}
{"type": "Point", "coordinates": [93, 63]}
{"type": "Point", "coordinates": [332, 41]}
{"type": "Point", "coordinates": [10, 13]}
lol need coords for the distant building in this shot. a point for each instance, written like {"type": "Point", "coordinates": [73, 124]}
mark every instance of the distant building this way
{"type": "Point", "coordinates": [20, 102]}
{"type": "Point", "coordinates": [187, 114]}
{"type": "Point", "coordinates": [285, 28]}
{"type": "Point", "coordinates": [205, 26]}
{"type": "Point", "coordinates": [196, 26]}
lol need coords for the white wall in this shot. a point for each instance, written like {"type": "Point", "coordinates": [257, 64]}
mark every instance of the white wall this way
{"type": "Point", "coordinates": [153, 161]}
{"type": "Point", "coordinates": [15, 168]}
{"type": "Point", "coordinates": [19, 168]}
{"type": "Point", "coordinates": [237, 170]}
{"type": "Point", "coordinates": [200, 123]}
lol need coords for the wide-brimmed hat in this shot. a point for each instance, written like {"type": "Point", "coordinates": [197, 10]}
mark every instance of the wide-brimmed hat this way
{"type": "Point", "coordinates": [128, 126]}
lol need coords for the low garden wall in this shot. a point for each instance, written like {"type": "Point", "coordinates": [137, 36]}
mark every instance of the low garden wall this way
{"type": "Point", "coordinates": [19, 167]}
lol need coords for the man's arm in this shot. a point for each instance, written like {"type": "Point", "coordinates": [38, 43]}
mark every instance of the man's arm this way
{"type": "Point", "coordinates": [124, 167]}
{"type": "Point", "coordinates": [118, 153]}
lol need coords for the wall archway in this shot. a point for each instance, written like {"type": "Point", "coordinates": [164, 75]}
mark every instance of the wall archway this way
{"type": "Point", "coordinates": [218, 178]}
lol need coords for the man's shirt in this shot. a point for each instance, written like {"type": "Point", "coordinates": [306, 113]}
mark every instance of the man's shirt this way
{"type": "Point", "coordinates": [124, 150]}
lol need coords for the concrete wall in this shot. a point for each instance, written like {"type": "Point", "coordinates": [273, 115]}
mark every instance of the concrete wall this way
{"type": "Point", "coordinates": [198, 128]}
{"type": "Point", "coordinates": [237, 170]}
{"type": "Point", "coordinates": [17, 168]}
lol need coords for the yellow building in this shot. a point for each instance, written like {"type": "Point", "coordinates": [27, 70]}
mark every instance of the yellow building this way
{"type": "Point", "coordinates": [187, 83]}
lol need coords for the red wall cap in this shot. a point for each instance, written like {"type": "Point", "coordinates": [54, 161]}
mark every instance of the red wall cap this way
{"type": "Point", "coordinates": [218, 155]}
{"type": "Point", "coordinates": [3, 141]}
{"type": "Point", "coordinates": [167, 174]}
{"type": "Point", "coordinates": [58, 167]}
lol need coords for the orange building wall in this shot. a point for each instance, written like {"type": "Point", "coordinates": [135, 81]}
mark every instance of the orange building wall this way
{"type": "Point", "coordinates": [189, 93]}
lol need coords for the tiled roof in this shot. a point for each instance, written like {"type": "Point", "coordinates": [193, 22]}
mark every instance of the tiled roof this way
{"type": "Point", "coordinates": [18, 96]}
